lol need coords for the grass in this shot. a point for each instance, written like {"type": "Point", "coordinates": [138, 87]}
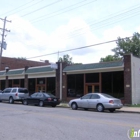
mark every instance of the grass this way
{"type": "Point", "coordinates": [135, 105]}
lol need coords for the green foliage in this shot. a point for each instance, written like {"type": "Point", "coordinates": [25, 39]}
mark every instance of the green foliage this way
{"type": "Point", "coordinates": [109, 58]}
{"type": "Point", "coordinates": [66, 58]}
{"type": "Point", "coordinates": [125, 46]}
{"type": "Point", "coordinates": [128, 45]}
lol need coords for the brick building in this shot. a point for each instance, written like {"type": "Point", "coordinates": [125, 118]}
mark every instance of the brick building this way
{"type": "Point", "coordinates": [15, 63]}
{"type": "Point", "coordinates": [120, 79]}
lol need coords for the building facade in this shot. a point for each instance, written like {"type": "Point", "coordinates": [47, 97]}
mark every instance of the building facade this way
{"type": "Point", "coordinates": [120, 79]}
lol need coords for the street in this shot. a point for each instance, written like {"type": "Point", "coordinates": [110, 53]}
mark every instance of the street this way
{"type": "Point", "coordinates": [20, 122]}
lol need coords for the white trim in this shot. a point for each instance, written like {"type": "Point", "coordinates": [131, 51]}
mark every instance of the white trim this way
{"type": "Point", "coordinates": [16, 77]}
{"type": "Point", "coordinates": [2, 77]}
{"type": "Point", "coordinates": [40, 75]}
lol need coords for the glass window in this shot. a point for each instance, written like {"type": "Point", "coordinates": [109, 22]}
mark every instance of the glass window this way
{"type": "Point", "coordinates": [108, 96]}
{"type": "Point", "coordinates": [51, 85]}
{"type": "Point", "coordinates": [8, 90]}
{"type": "Point", "coordinates": [16, 82]}
{"type": "Point", "coordinates": [92, 78]}
{"type": "Point", "coordinates": [75, 85]}
{"type": "Point", "coordinates": [49, 95]}
{"type": "Point", "coordinates": [34, 95]}
{"type": "Point", "coordinates": [86, 96]}
{"type": "Point", "coordinates": [22, 90]}
{"type": "Point", "coordinates": [40, 80]}
{"type": "Point", "coordinates": [39, 95]}
{"type": "Point", "coordinates": [14, 90]}
{"type": "Point", "coordinates": [95, 96]}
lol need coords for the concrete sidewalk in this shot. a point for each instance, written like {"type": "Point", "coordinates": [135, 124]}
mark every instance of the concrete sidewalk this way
{"type": "Point", "coordinates": [123, 109]}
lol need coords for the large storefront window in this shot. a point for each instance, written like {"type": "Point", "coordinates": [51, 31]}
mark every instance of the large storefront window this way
{"type": "Point", "coordinates": [75, 86]}
{"type": "Point", "coordinates": [113, 83]}
{"type": "Point", "coordinates": [31, 85]}
{"type": "Point", "coordinates": [51, 85]}
{"type": "Point", "coordinates": [2, 85]}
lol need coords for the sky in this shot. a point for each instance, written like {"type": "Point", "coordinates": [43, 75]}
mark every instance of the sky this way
{"type": "Point", "coordinates": [47, 28]}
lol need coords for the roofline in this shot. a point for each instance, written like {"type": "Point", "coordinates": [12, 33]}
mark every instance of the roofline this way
{"type": "Point", "coordinates": [72, 71]}
{"type": "Point", "coordinates": [39, 66]}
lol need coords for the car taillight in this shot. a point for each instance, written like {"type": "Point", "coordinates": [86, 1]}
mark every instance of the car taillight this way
{"type": "Point", "coordinates": [49, 99]}
{"type": "Point", "coordinates": [111, 102]}
{"type": "Point", "coordinates": [16, 94]}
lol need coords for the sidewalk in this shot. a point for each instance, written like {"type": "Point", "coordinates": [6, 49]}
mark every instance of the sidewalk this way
{"type": "Point", "coordinates": [123, 109]}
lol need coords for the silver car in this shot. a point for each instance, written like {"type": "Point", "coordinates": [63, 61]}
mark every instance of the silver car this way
{"type": "Point", "coordinates": [13, 94]}
{"type": "Point", "coordinates": [99, 101]}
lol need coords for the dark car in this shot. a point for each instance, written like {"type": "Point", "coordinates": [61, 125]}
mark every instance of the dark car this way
{"type": "Point", "coordinates": [41, 99]}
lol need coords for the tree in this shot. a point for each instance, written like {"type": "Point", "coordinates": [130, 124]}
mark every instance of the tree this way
{"type": "Point", "coordinates": [128, 45]}
{"type": "Point", "coordinates": [125, 46]}
{"type": "Point", "coordinates": [109, 58]}
{"type": "Point", "coordinates": [66, 58]}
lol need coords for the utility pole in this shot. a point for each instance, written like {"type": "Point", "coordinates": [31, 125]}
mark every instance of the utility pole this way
{"type": "Point", "coordinates": [3, 35]}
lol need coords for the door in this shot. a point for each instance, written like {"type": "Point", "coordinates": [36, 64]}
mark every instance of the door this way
{"type": "Point", "coordinates": [84, 101]}
{"type": "Point", "coordinates": [93, 101]}
{"type": "Point", "coordinates": [89, 89]}
{"type": "Point", "coordinates": [40, 88]}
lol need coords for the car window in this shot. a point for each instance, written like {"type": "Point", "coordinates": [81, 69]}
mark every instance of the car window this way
{"type": "Point", "coordinates": [49, 95]}
{"type": "Point", "coordinates": [95, 96]}
{"type": "Point", "coordinates": [86, 97]}
{"type": "Point", "coordinates": [14, 90]}
{"type": "Point", "coordinates": [34, 95]}
{"type": "Point", "coordinates": [106, 95]}
{"type": "Point", "coordinates": [22, 90]}
{"type": "Point", "coordinates": [40, 95]}
{"type": "Point", "coordinates": [8, 90]}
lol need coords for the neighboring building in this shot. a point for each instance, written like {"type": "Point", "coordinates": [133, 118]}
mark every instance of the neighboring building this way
{"type": "Point", "coordinates": [16, 63]}
{"type": "Point", "coordinates": [119, 78]}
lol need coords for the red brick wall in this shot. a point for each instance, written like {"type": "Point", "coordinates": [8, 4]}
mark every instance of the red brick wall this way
{"type": "Point", "coordinates": [14, 63]}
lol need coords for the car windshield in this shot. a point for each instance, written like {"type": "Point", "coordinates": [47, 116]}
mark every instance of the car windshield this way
{"type": "Point", "coordinates": [22, 90]}
{"type": "Point", "coordinates": [49, 95]}
{"type": "Point", "coordinates": [106, 95]}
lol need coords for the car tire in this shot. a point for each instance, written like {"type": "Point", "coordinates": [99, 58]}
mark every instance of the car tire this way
{"type": "Point", "coordinates": [53, 105]}
{"type": "Point", "coordinates": [11, 100]}
{"type": "Point", "coordinates": [74, 106]}
{"type": "Point", "coordinates": [111, 110]}
{"type": "Point", "coordinates": [85, 108]}
{"type": "Point", "coordinates": [100, 108]}
{"type": "Point", "coordinates": [41, 103]}
{"type": "Point", "coordinates": [25, 102]}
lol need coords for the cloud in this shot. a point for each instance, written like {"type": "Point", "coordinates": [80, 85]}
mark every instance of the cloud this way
{"type": "Point", "coordinates": [25, 40]}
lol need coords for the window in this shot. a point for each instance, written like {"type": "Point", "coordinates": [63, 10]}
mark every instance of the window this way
{"type": "Point", "coordinates": [22, 90]}
{"type": "Point", "coordinates": [14, 90]}
{"type": "Point", "coordinates": [34, 95]}
{"type": "Point", "coordinates": [39, 95]}
{"type": "Point", "coordinates": [75, 85]}
{"type": "Point", "coordinates": [16, 82]}
{"type": "Point", "coordinates": [92, 78]}
{"type": "Point", "coordinates": [8, 90]}
{"type": "Point", "coordinates": [86, 97]}
{"type": "Point", "coordinates": [40, 80]}
{"type": "Point", "coordinates": [95, 96]}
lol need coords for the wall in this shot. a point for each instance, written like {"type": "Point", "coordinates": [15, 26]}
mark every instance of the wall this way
{"type": "Point", "coordinates": [14, 63]}
{"type": "Point", "coordinates": [135, 80]}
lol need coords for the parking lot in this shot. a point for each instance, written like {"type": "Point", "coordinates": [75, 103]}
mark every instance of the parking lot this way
{"type": "Point", "coordinates": [22, 122]}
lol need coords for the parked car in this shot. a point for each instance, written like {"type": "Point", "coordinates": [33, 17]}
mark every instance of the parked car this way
{"type": "Point", "coordinates": [99, 101]}
{"type": "Point", "coordinates": [41, 99]}
{"type": "Point", "coordinates": [13, 94]}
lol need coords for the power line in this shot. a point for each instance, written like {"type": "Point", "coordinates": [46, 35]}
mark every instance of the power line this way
{"type": "Point", "coordinates": [18, 7]}
{"type": "Point", "coordinates": [40, 8]}
{"type": "Point", "coordinates": [77, 48]}
{"type": "Point", "coordinates": [63, 11]}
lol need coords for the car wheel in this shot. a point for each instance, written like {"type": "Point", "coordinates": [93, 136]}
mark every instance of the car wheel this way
{"type": "Point", "coordinates": [11, 100]}
{"type": "Point", "coordinates": [53, 105]}
{"type": "Point", "coordinates": [100, 108]}
{"type": "Point", "coordinates": [111, 110]}
{"type": "Point", "coordinates": [74, 106]}
{"type": "Point", "coordinates": [85, 108]}
{"type": "Point", "coordinates": [41, 103]}
{"type": "Point", "coordinates": [25, 102]}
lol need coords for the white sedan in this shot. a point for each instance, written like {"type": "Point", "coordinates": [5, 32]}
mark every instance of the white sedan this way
{"type": "Point", "coordinates": [99, 101]}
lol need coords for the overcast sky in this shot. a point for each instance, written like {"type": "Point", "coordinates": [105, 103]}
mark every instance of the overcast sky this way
{"type": "Point", "coordinates": [41, 27]}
